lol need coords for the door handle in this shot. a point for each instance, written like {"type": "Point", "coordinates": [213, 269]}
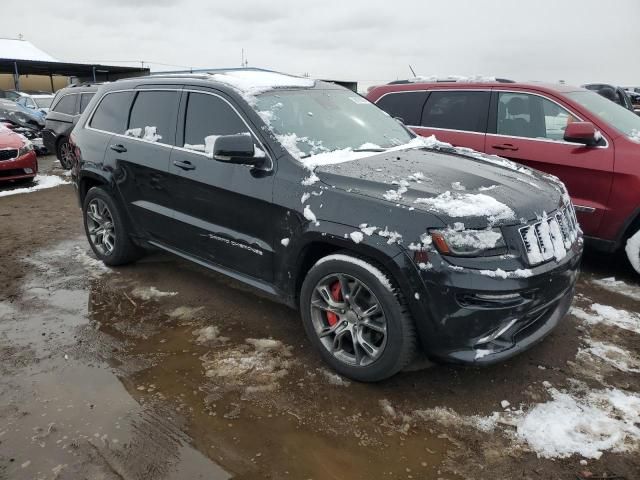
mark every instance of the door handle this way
{"type": "Point", "coordinates": [184, 165]}
{"type": "Point", "coordinates": [118, 148]}
{"type": "Point", "coordinates": [505, 146]}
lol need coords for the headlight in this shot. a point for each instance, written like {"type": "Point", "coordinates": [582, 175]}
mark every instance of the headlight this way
{"type": "Point", "coordinates": [469, 243]}
{"type": "Point", "coordinates": [26, 148]}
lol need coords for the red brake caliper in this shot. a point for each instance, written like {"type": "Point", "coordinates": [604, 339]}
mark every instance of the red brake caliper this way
{"type": "Point", "coordinates": [336, 294]}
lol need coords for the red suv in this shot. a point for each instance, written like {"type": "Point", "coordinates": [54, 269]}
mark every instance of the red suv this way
{"type": "Point", "coordinates": [589, 142]}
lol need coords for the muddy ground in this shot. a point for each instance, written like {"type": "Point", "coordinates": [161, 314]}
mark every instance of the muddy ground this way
{"type": "Point", "coordinates": [164, 370]}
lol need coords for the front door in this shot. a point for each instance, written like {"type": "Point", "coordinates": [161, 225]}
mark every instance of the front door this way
{"type": "Point", "coordinates": [223, 212]}
{"type": "Point", "coordinates": [529, 129]}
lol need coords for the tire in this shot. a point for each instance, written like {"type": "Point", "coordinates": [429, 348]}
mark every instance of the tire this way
{"type": "Point", "coordinates": [106, 230]}
{"type": "Point", "coordinates": [64, 153]}
{"type": "Point", "coordinates": [357, 341]}
{"type": "Point", "coordinates": [632, 249]}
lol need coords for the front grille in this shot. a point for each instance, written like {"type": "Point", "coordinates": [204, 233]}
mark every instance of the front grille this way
{"type": "Point", "coordinates": [550, 237]}
{"type": "Point", "coordinates": [8, 154]}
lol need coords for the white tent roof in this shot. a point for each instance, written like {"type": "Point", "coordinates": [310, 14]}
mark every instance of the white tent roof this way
{"type": "Point", "coordinates": [14, 49]}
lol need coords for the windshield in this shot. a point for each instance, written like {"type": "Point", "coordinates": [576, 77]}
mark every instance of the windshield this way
{"type": "Point", "coordinates": [618, 117]}
{"type": "Point", "coordinates": [308, 122]}
{"type": "Point", "coordinates": [43, 102]}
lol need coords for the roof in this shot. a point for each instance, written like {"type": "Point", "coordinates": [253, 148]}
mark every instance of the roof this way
{"type": "Point", "coordinates": [15, 49]}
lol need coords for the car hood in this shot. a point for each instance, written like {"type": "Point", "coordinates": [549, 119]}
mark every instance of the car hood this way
{"type": "Point", "coordinates": [466, 186]}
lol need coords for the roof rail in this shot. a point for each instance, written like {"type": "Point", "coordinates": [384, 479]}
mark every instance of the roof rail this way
{"type": "Point", "coordinates": [84, 84]}
{"type": "Point", "coordinates": [476, 79]}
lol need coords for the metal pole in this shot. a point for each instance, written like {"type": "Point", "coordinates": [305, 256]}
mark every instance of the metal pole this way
{"type": "Point", "coordinates": [94, 74]}
{"type": "Point", "coordinates": [16, 76]}
{"type": "Point", "coordinates": [51, 79]}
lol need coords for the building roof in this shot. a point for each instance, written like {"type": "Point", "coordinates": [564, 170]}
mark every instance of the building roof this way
{"type": "Point", "coordinates": [15, 49]}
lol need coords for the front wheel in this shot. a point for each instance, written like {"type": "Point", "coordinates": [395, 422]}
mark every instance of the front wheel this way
{"type": "Point", "coordinates": [632, 249]}
{"type": "Point", "coordinates": [356, 318]}
{"type": "Point", "coordinates": [106, 231]}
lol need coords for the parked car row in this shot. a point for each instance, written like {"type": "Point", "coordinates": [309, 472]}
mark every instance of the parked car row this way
{"type": "Point", "coordinates": [385, 241]}
{"type": "Point", "coordinates": [589, 142]}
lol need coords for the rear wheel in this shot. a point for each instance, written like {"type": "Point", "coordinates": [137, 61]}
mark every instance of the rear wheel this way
{"type": "Point", "coordinates": [356, 319]}
{"type": "Point", "coordinates": [65, 153]}
{"type": "Point", "coordinates": [632, 249]}
{"type": "Point", "coordinates": [106, 230]}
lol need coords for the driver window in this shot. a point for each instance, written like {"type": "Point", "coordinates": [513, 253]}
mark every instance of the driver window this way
{"type": "Point", "coordinates": [208, 117]}
{"type": "Point", "coordinates": [531, 116]}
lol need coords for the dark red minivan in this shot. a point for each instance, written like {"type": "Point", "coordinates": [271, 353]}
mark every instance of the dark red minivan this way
{"type": "Point", "coordinates": [589, 142]}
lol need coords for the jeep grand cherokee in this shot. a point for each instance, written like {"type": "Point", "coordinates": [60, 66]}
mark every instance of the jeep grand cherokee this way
{"type": "Point", "coordinates": [385, 241]}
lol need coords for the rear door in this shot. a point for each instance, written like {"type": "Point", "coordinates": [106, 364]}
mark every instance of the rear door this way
{"type": "Point", "coordinates": [529, 128]}
{"type": "Point", "coordinates": [60, 118]}
{"type": "Point", "coordinates": [458, 117]}
{"type": "Point", "coordinates": [144, 127]}
{"type": "Point", "coordinates": [223, 212]}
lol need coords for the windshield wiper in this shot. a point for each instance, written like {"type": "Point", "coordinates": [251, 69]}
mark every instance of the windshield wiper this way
{"type": "Point", "coordinates": [379, 149]}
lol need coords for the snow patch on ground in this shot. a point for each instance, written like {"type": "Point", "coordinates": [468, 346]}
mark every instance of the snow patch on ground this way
{"type": "Point", "coordinates": [571, 423]}
{"type": "Point", "coordinates": [619, 358]}
{"type": "Point", "coordinates": [334, 378]}
{"type": "Point", "coordinates": [618, 286]}
{"type": "Point", "coordinates": [41, 182]}
{"type": "Point", "coordinates": [608, 315]}
{"type": "Point", "coordinates": [185, 313]}
{"type": "Point", "coordinates": [150, 293]}
{"type": "Point", "coordinates": [95, 266]}
{"type": "Point", "coordinates": [208, 334]}
{"type": "Point", "coordinates": [255, 366]}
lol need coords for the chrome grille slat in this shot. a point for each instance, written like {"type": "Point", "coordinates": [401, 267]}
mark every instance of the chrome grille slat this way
{"type": "Point", "coordinates": [551, 236]}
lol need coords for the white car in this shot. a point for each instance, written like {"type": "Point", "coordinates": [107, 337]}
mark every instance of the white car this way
{"type": "Point", "coordinates": [39, 101]}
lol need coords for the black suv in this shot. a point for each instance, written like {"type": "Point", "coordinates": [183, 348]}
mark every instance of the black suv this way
{"type": "Point", "coordinates": [65, 110]}
{"type": "Point", "coordinates": [386, 242]}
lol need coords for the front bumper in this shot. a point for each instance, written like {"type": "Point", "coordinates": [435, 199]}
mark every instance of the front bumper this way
{"type": "Point", "coordinates": [470, 318]}
{"type": "Point", "coordinates": [19, 168]}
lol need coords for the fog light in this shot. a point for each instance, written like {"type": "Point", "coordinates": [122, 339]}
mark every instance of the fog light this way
{"type": "Point", "coordinates": [28, 170]}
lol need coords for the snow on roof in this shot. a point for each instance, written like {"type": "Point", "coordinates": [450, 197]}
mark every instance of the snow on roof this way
{"type": "Point", "coordinates": [452, 78]}
{"type": "Point", "coordinates": [252, 82]}
{"type": "Point", "coordinates": [14, 49]}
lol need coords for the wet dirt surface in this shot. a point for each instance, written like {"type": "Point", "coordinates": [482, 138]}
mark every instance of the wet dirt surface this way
{"type": "Point", "coordinates": [164, 370]}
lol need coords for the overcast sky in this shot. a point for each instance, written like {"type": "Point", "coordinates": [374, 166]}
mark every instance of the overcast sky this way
{"type": "Point", "coordinates": [370, 41]}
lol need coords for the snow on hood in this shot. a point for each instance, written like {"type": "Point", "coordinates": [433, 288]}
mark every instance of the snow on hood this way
{"type": "Point", "coordinates": [251, 82]}
{"type": "Point", "coordinates": [450, 184]}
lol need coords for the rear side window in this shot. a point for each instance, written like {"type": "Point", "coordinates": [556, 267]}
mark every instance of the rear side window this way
{"type": "Point", "coordinates": [207, 118]}
{"type": "Point", "coordinates": [457, 110]}
{"type": "Point", "coordinates": [67, 104]}
{"type": "Point", "coordinates": [153, 117]}
{"type": "Point", "coordinates": [85, 98]}
{"type": "Point", "coordinates": [112, 112]}
{"type": "Point", "coordinates": [406, 106]}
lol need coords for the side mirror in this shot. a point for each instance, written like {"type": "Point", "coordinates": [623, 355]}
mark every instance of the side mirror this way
{"type": "Point", "coordinates": [582, 132]}
{"type": "Point", "coordinates": [237, 149]}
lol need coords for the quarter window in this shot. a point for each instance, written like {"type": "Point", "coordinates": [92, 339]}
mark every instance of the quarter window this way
{"type": "Point", "coordinates": [207, 118]}
{"type": "Point", "coordinates": [457, 110]}
{"type": "Point", "coordinates": [406, 106]}
{"type": "Point", "coordinates": [85, 98]}
{"type": "Point", "coordinates": [113, 112]}
{"type": "Point", "coordinates": [531, 116]}
{"type": "Point", "coordinates": [67, 104]}
{"type": "Point", "coordinates": [153, 117]}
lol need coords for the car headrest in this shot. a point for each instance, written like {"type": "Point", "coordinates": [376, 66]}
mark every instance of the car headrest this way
{"type": "Point", "coordinates": [516, 106]}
